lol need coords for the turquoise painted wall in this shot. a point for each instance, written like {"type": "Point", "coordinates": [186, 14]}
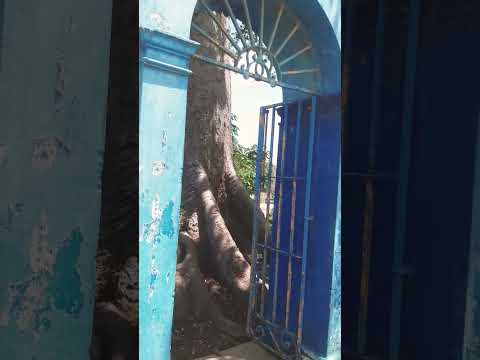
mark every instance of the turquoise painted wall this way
{"type": "Point", "coordinates": [165, 51]}
{"type": "Point", "coordinates": [163, 98]}
{"type": "Point", "coordinates": [53, 90]}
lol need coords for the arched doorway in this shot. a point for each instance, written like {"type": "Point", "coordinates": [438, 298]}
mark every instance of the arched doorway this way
{"type": "Point", "coordinates": [311, 61]}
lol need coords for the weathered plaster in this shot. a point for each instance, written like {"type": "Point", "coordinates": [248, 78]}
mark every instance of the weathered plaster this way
{"type": "Point", "coordinates": [53, 90]}
{"type": "Point", "coordinates": [159, 15]}
{"type": "Point", "coordinates": [55, 284]}
{"type": "Point", "coordinates": [163, 91]}
{"type": "Point", "coordinates": [3, 155]}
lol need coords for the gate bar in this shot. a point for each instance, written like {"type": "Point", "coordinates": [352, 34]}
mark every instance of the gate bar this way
{"type": "Point", "coordinates": [280, 104]}
{"type": "Point", "coordinates": [249, 22]}
{"type": "Point", "coordinates": [283, 252]}
{"type": "Point", "coordinates": [402, 192]}
{"type": "Point", "coordinates": [253, 280]}
{"type": "Point", "coordinates": [234, 20]}
{"type": "Point", "coordinates": [220, 25]}
{"type": "Point", "coordinates": [256, 77]}
{"type": "Point", "coordinates": [369, 190]}
{"type": "Point", "coordinates": [269, 194]}
{"type": "Point", "coordinates": [292, 216]}
{"type": "Point", "coordinates": [265, 139]}
{"type": "Point", "coordinates": [275, 27]}
{"type": "Point", "coordinates": [213, 41]}
{"type": "Point", "coordinates": [306, 224]}
{"type": "Point", "coordinates": [262, 17]}
{"type": "Point", "coordinates": [284, 125]}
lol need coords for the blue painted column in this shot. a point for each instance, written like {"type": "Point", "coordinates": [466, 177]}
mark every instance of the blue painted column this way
{"type": "Point", "coordinates": [164, 75]}
{"type": "Point", "coordinates": [53, 95]}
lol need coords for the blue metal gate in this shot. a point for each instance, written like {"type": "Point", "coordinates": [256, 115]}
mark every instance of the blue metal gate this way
{"type": "Point", "coordinates": [287, 153]}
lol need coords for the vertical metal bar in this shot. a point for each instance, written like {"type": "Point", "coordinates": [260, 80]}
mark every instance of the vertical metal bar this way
{"type": "Point", "coordinates": [262, 20]}
{"type": "Point", "coordinates": [267, 215]}
{"type": "Point", "coordinates": [234, 20]}
{"type": "Point", "coordinates": [402, 192]}
{"type": "Point", "coordinates": [249, 22]}
{"type": "Point", "coordinates": [220, 25]}
{"type": "Point", "coordinates": [213, 41]}
{"type": "Point", "coordinates": [369, 190]}
{"type": "Point", "coordinates": [284, 123]}
{"type": "Point", "coordinates": [306, 224]}
{"type": "Point", "coordinates": [253, 277]}
{"type": "Point", "coordinates": [265, 139]}
{"type": "Point", "coordinates": [294, 208]}
{"type": "Point", "coordinates": [275, 27]}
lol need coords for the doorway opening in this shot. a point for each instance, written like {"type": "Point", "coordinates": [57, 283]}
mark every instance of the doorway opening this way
{"type": "Point", "coordinates": [220, 217]}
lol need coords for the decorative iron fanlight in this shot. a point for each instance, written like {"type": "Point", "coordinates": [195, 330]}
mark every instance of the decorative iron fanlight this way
{"type": "Point", "coordinates": [252, 57]}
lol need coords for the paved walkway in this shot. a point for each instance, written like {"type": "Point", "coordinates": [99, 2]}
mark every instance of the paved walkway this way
{"type": "Point", "coordinates": [247, 351]}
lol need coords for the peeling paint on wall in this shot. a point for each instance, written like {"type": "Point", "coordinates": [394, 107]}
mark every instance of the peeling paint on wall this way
{"type": "Point", "coordinates": [30, 305]}
{"type": "Point", "coordinates": [3, 155]}
{"type": "Point", "coordinates": [151, 230]}
{"type": "Point", "coordinates": [161, 224]}
{"type": "Point", "coordinates": [158, 22]}
{"type": "Point", "coordinates": [54, 286]}
{"type": "Point", "coordinates": [65, 286]}
{"type": "Point", "coordinates": [153, 277]}
{"type": "Point", "coordinates": [158, 168]}
{"type": "Point", "coordinates": [47, 286]}
{"type": "Point", "coordinates": [45, 152]}
{"type": "Point", "coordinates": [7, 219]}
{"type": "Point", "coordinates": [42, 256]}
{"type": "Point", "coordinates": [166, 223]}
{"type": "Point", "coordinates": [59, 90]}
{"type": "Point", "coordinates": [164, 138]}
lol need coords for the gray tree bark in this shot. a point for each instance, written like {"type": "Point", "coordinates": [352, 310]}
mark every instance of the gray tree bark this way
{"type": "Point", "coordinates": [217, 210]}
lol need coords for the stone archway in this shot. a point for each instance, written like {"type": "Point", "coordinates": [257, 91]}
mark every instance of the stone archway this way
{"type": "Point", "coordinates": [165, 51]}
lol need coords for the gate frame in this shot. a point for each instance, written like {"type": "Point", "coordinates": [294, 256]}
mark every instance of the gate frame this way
{"type": "Point", "coordinates": [165, 52]}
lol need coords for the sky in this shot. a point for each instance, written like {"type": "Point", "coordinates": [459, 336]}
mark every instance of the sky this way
{"type": "Point", "coordinates": [247, 98]}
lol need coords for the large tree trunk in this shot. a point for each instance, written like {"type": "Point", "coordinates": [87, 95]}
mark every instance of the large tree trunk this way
{"type": "Point", "coordinates": [217, 209]}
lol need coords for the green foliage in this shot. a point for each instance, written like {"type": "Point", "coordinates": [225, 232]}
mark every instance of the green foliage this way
{"type": "Point", "coordinates": [244, 160]}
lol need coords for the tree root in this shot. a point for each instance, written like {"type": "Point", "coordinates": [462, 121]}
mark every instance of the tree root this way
{"type": "Point", "coordinates": [193, 300]}
{"type": "Point", "coordinates": [192, 296]}
{"type": "Point", "coordinates": [231, 265]}
{"type": "Point", "coordinates": [112, 335]}
{"type": "Point", "coordinates": [244, 207]}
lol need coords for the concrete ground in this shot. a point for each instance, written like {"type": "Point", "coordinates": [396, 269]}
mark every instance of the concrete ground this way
{"type": "Point", "coordinates": [247, 351]}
